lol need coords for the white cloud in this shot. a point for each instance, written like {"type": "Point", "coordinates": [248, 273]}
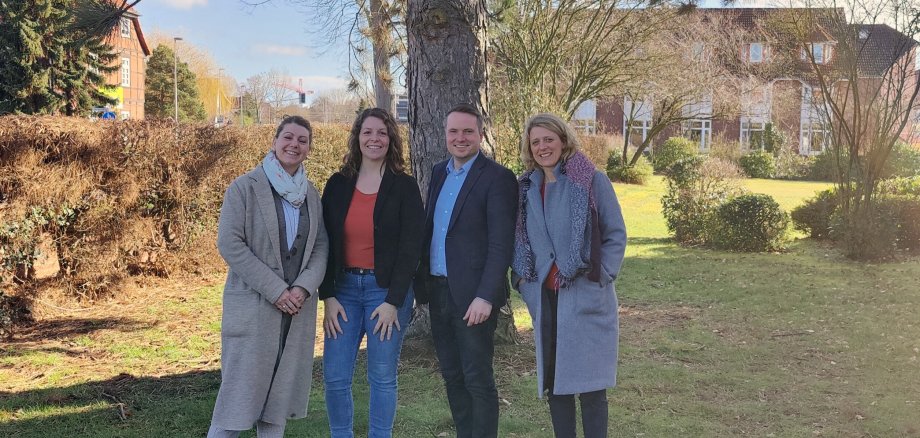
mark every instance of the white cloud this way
{"type": "Point", "coordinates": [185, 4]}
{"type": "Point", "coordinates": [322, 83]}
{"type": "Point", "coordinates": [276, 49]}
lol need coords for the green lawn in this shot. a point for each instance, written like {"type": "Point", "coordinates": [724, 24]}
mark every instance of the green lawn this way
{"type": "Point", "coordinates": [792, 344]}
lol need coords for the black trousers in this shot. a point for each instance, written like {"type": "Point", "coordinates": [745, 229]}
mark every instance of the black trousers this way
{"type": "Point", "coordinates": [562, 407]}
{"type": "Point", "coordinates": [465, 358]}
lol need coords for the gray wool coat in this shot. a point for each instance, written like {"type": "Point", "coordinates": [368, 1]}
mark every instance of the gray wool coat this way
{"type": "Point", "coordinates": [587, 322]}
{"type": "Point", "coordinates": [248, 239]}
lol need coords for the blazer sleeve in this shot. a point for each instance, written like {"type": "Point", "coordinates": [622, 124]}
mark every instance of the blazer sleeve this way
{"type": "Point", "coordinates": [412, 222]}
{"type": "Point", "coordinates": [501, 213]}
{"type": "Point", "coordinates": [421, 273]}
{"type": "Point", "coordinates": [232, 246]}
{"type": "Point", "coordinates": [315, 268]}
{"type": "Point", "coordinates": [612, 226]}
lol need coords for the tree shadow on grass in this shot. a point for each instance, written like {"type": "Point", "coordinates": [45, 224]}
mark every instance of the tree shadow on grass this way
{"type": "Point", "coordinates": [58, 329]}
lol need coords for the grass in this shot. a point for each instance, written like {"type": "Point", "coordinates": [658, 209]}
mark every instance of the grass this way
{"type": "Point", "coordinates": [799, 343]}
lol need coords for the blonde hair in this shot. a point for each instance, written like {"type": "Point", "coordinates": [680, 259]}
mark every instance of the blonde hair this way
{"type": "Point", "coordinates": [559, 127]}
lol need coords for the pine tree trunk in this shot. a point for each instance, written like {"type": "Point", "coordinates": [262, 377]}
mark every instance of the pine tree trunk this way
{"type": "Point", "coordinates": [447, 66]}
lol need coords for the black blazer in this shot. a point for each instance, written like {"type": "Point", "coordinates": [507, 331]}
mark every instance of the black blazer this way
{"type": "Point", "coordinates": [398, 219]}
{"type": "Point", "coordinates": [480, 236]}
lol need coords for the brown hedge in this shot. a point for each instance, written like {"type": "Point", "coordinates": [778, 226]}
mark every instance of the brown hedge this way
{"type": "Point", "coordinates": [114, 199]}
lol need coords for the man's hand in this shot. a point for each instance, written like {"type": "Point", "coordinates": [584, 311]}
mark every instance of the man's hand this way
{"type": "Point", "coordinates": [479, 311]}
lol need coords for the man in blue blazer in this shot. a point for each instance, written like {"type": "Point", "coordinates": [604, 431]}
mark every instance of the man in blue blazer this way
{"type": "Point", "coordinates": [468, 246]}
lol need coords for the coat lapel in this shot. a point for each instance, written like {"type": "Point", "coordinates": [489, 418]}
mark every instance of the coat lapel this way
{"type": "Point", "coordinates": [438, 176]}
{"type": "Point", "coordinates": [385, 184]}
{"type": "Point", "coordinates": [536, 218]}
{"type": "Point", "coordinates": [468, 183]}
{"type": "Point", "coordinates": [266, 202]}
{"type": "Point", "coordinates": [315, 212]}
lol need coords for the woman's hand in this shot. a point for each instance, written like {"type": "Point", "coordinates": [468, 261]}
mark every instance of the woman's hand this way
{"type": "Point", "coordinates": [290, 301]}
{"type": "Point", "coordinates": [386, 320]}
{"type": "Point", "coordinates": [332, 310]}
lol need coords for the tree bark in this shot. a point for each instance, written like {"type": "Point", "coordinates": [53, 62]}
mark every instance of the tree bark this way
{"type": "Point", "coordinates": [381, 41]}
{"type": "Point", "coordinates": [447, 53]}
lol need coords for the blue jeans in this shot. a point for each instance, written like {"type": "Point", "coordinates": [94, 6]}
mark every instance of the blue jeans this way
{"type": "Point", "coordinates": [360, 295]}
{"type": "Point", "coordinates": [465, 358]}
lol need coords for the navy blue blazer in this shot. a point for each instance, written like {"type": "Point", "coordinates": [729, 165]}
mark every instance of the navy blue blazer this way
{"type": "Point", "coordinates": [480, 236]}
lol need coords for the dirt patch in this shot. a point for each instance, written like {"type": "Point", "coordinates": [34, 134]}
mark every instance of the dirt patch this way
{"type": "Point", "coordinates": [644, 317]}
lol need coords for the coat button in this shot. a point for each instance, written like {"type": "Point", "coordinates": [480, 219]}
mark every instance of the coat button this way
{"type": "Point", "coordinates": [293, 251]}
{"type": "Point", "coordinates": [551, 255]}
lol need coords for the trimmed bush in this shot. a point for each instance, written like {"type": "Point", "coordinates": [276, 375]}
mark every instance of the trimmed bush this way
{"type": "Point", "coordinates": [791, 165]}
{"type": "Point", "coordinates": [671, 151]}
{"type": "Point", "coordinates": [638, 173]}
{"type": "Point", "coordinates": [824, 167]}
{"type": "Point", "coordinates": [749, 223]}
{"type": "Point", "coordinates": [758, 164]}
{"type": "Point", "coordinates": [696, 187]}
{"type": "Point", "coordinates": [814, 216]}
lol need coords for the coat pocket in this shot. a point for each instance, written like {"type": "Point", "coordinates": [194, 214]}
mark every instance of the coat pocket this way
{"type": "Point", "coordinates": [592, 298]}
{"type": "Point", "coordinates": [240, 313]}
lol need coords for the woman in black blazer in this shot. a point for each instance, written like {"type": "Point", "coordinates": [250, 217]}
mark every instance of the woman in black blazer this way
{"type": "Point", "coordinates": [373, 214]}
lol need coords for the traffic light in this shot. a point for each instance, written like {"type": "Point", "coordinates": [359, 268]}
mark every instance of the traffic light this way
{"type": "Point", "coordinates": [303, 98]}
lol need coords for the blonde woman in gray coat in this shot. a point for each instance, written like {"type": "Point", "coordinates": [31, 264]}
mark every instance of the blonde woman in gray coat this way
{"type": "Point", "coordinates": [272, 237]}
{"type": "Point", "coordinates": [569, 245]}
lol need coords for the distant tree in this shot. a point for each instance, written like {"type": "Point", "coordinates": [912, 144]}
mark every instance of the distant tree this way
{"type": "Point", "coordinates": [160, 95]}
{"type": "Point", "coordinates": [256, 95]}
{"type": "Point", "coordinates": [50, 63]}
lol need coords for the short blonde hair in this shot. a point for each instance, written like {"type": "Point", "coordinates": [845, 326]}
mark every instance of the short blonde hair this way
{"type": "Point", "coordinates": [554, 123]}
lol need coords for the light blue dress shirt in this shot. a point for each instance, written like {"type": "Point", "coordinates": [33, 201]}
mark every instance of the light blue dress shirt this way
{"type": "Point", "coordinates": [443, 209]}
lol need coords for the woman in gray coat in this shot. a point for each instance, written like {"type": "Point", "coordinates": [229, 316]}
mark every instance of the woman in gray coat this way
{"type": "Point", "coordinates": [569, 245]}
{"type": "Point", "coordinates": [272, 237]}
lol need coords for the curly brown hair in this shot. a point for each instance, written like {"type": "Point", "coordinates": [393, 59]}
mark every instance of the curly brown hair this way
{"type": "Point", "coordinates": [394, 159]}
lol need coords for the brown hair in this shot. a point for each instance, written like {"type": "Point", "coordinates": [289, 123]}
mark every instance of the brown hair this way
{"type": "Point", "coordinates": [466, 108]}
{"type": "Point", "coordinates": [297, 120]}
{"type": "Point", "coordinates": [394, 159]}
{"type": "Point", "coordinates": [559, 127]}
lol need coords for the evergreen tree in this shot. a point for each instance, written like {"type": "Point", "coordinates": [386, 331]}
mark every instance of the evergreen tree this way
{"type": "Point", "coordinates": [159, 95]}
{"type": "Point", "coordinates": [46, 67]}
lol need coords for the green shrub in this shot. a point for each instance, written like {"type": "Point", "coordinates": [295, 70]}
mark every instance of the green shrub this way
{"type": "Point", "coordinates": [907, 211]}
{"type": "Point", "coordinates": [904, 162]}
{"type": "Point", "coordinates": [638, 173]}
{"type": "Point", "coordinates": [695, 188]}
{"type": "Point", "coordinates": [671, 151]}
{"type": "Point", "coordinates": [792, 165]}
{"type": "Point", "coordinates": [758, 164]}
{"type": "Point", "coordinates": [814, 216]}
{"type": "Point", "coordinates": [773, 139]}
{"type": "Point", "coordinates": [728, 150]}
{"type": "Point", "coordinates": [900, 187]}
{"type": "Point", "coordinates": [824, 167]}
{"type": "Point", "coordinates": [868, 235]}
{"type": "Point", "coordinates": [749, 223]}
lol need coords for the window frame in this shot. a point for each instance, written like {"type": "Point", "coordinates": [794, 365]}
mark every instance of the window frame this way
{"type": "Point", "coordinates": [705, 132]}
{"type": "Point", "coordinates": [124, 26]}
{"type": "Point", "coordinates": [761, 52]}
{"type": "Point", "coordinates": [125, 72]}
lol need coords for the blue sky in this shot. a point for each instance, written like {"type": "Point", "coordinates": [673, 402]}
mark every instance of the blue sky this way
{"type": "Point", "coordinates": [247, 40]}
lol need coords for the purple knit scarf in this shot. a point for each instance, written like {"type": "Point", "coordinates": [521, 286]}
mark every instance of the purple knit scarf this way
{"type": "Point", "coordinates": [580, 171]}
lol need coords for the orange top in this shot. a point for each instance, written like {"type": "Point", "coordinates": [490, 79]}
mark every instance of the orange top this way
{"type": "Point", "coordinates": [358, 240]}
{"type": "Point", "coordinates": [550, 282]}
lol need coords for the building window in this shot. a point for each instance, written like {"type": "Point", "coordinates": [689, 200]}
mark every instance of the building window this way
{"type": "Point", "coordinates": [637, 119]}
{"type": "Point", "coordinates": [700, 131]}
{"type": "Point", "coordinates": [752, 133]}
{"type": "Point", "coordinates": [755, 53]}
{"type": "Point", "coordinates": [815, 137]}
{"type": "Point", "coordinates": [821, 52]}
{"type": "Point", "coordinates": [125, 26]}
{"type": "Point", "coordinates": [585, 118]}
{"type": "Point", "coordinates": [126, 72]}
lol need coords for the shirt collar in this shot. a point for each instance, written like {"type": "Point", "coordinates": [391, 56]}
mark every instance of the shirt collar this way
{"type": "Point", "coordinates": [464, 168]}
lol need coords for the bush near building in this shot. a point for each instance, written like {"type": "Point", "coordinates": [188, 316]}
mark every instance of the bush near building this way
{"type": "Point", "coordinates": [749, 223]}
{"type": "Point", "coordinates": [638, 173]}
{"type": "Point", "coordinates": [671, 151]}
{"type": "Point", "coordinates": [758, 164]}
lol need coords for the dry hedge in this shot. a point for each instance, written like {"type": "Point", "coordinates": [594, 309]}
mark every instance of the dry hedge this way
{"type": "Point", "coordinates": [108, 200]}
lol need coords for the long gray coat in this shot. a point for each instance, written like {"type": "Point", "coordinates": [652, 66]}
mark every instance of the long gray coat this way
{"type": "Point", "coordinates": [248, 239]}
{"type": "Point", "coordinates": [587, 323]}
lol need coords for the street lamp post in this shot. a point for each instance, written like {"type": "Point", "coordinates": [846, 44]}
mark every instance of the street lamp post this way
{"type": "Point", "coordinates": [220, 76]}
{"type": "Point", "coordinates": [176, 76]}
